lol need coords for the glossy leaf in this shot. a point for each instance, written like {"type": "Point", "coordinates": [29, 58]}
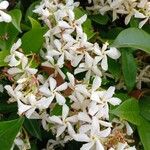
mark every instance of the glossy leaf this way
{"type": "Point", "coordinates": [5, 108]}
{"type": "Point", "coordinates": [133, 37]}
{"type": "Point", "coordinates": [29, 12]}
{"type": "Point", "coordinates": [129, 68]}
{"type": "Point", "coordinates": [16, 18]}
{"type": "Point", "coordinates": [33, 127]}
{"type": "Point", "coordinates": [114, 68]}
{"type": "Point", "coordinates": [34, 23]}
{"type": "Point", "coordinates": [3, 55]}
{"type": "Point", "coordinates": [32, 41]}
{"type": "Point", "coordinates": [8, 34]}
{"type": "Point", "coordinates": [144, 133]}
{"type": "Point", "coordinates": [8, 132]}
{"type": "Point", "coordinates": [100, 19]}
{"type": "Point", "coordinates": [145, 107]}
{"type": "Point", "coordinates": [128, 110]}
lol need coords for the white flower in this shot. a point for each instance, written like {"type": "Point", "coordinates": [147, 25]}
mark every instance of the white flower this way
{"type": "Point", "coordinates": [62, 123]}
{"type": "Point", "coordinates": [106, 96]}
{"type": "Point", "coordinates": [19, 63]}
{"type": "Point", "coordinates": [60, 50]}
{"type": "Point", "coordinates": [66, 10]}
{"type": "Point", "coordinates": [78, 89]}
{"type": "Point", "coordinates": [52, 143]}
{"type": "Point", "coordinates": [29, 108]}
{"type": "Point", "coordinates": [96, 84]}
{"type": "Point", "coordinates": [51, 90]}
{"type": "Point", "coordinates": [22, 142]}
{"type": "Point", "coordinates": [123, 124]}
{"type": "Point", "coordinates": [103, 52]}
{"type": "Point", "coordinates": [54, 65]}
{"type": "Point", "coordinates": [15, 93]}
{"type": "Point", "coordinates": [80, 48]}
{"type": "Point", "coordinates": [84, 117]}
{"type": "Point", "coordinates": [25, 70]}
{"type": "Point", "coordinates": [3, 16]}
{"type": "Point", "coordinates": [15, 57]}
{"type": "Point", "coordinates": [100, 102]}
{"type": "Point", "coordinates": [90, 66]}
{"type": "Point", "coordinates": [94, 138]}
{"type": "Point", "coordinates": [144, 5]}
{"type": "Point", "coordinates": [124, 146]}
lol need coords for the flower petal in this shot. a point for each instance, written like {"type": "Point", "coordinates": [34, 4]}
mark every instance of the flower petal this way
{"type": "Point", "coordinates": [60, 130]}
{"type": "Point", "coordinates": [114, 101]}
{"type": "Point", "coordinates": [81, 138]}
{"type": "Point", "coordinates": [57, 44]}
{"type": "Point", "coordinates": [22, 107]}
{"type": "Point", "coordinates": [99, 146]}
{"type": "Point", "coordinates": [52, 83]}
{"type": "Point", "coordinates": [14, 71]}
{"type": "Point", "coordinates": [105, 132]}
{"type": "Point", "coordinates": [113, 53]}
{"type": "Point", "coordinates": [129, 129]}
{"type": "Point", "coordinates": [60, 99]}
{"type": "Point", "coordinates": [84, 128]}
{"type": "Point", "coordinates": [95, 96]}
{"type": "Point", "coordinates": [82, 19]}
{"type": "Point", "coordinates": [71, 78]}
{"type": "Point", "coordinates": [87, 146]}
{"type": "Point", "coordinates": [44, 103]}
{"type": "Point", "coordinates": [5, 17]}
{"type": "Point", "coordinates": [45, 90]}
{"type": "Point", "coordinates": [65, 111]}
{"type": "Point", "coordinates": [55, 119]}
{"type": "Point", "coordinates": [16, 45]}
{"type": "Point", "coordinates": [96, 83]}
{"type": "Point", "coordinates": [62, 87]}
{"type": "Point", "coordinates": [82, 116]}
{"type": "Point", "coordinates": [4, 4]}
{"type": "Point", "coordinates": [109, 93]}
{"type": "Point", "coordinates": [104, 63]}
{"type": "Point", "coordinates": [63, 24]}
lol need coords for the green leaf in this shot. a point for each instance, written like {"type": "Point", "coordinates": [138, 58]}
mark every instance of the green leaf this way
{"type": "Point", "coordinates": [133, 37]}
{"type": "Point", "coordinates": [32, 40]}
{"type": "Point", "coordinates": [113, 33]}
{"type": "Point", "coordinates": [122, 96]}
{"type": "Point", "coordinates": [33, 127]}
{"type": "Point", "coordinates": [8, 132]}
{"type": "Point", "coordinates": [144, 133]}
{"type": "Point", "coordinates": [128, 110]}
{"type": "Point", "coordinates": [30, 12]}
{"type": "Point", "coordinates": [3, 55]}
{"type": "Point", "coordinates": [129, 68]}
{"type": "Point", "coordinates": [16, 18]}
{"type": "Point", "coordinates": [146, 28]}
{"type": "Point", "coordinates": [144, 104]}
{"type": "Point", "coordinates": [34, 23]}
{"type": "Point", "coordinates": [7, 108]}
{"type": "Point", "coordinates": [134, 22]}
{"type": "Point", "coordinates": [114, 68]}
{"type": "Point", "coordinates": [57, 110]}
{"type": "Point", "coordinates": [100, 19]}
{"type": "Point", "coordinates": [8, 34]}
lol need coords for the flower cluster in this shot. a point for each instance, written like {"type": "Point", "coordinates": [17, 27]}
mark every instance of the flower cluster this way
{"type": "Point", "coordinates": [84, 102]}
{"type": "Point", "coordinates": [4, 17]}
{"type": "Point", "coordinates": [130, 8]}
